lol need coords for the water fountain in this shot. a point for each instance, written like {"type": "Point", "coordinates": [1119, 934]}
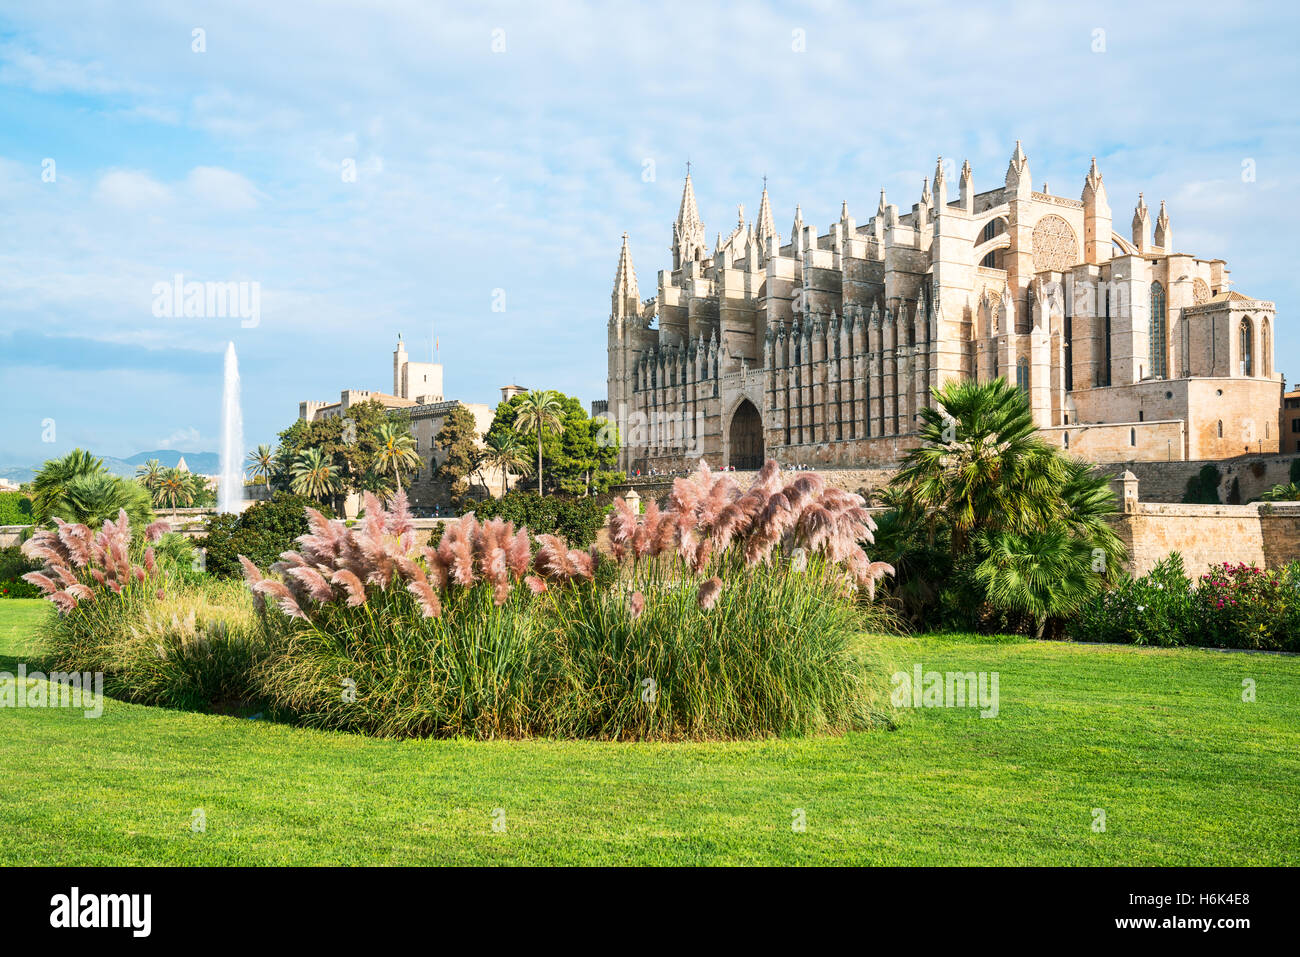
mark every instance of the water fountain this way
{"type": "Point", "coordinates": [230, 489]}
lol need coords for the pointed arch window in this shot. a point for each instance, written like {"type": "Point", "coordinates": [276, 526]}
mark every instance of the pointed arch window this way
{"type": "Point", "coordinates": [1265, 353]}
{"type": "Point", "coordinates": [1159, 332]}
{"type": "Point", "coordinates": [1022, 374]}
{"type": "Point", "coordinates": [1246, 351]}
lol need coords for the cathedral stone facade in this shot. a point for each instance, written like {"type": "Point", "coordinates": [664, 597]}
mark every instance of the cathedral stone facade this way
{"type": "Point", "coordinates": [822, 349]}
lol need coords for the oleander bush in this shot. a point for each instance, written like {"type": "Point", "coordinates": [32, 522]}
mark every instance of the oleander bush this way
{"type": "Point", "coordinates": [13, 566]}
{"type": "Point", "coordinates": [1230, 606]}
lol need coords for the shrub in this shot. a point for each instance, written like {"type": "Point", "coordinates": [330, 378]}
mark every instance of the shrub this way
{"type": "Point", "coordinates": [13, 566]}
{"type": "Point", "coordinates": [1231, 606]}
{"type": "Point", "coordinates": [1156, 609]}
{"type": "Point", "coordinates": [1203, 487]}
{"type": "Point", "coordinates": [390, 637]}
{"type": "Point", "coordinates": [1248, 607]}
{"type": "Point", "coordinates": [261, 532]}
{"type": "Point", "coordinates": [577, 520]}
{"type": "Point", "coordinates": [189, 645]}
{"type": "Point", "coordinates": [396, 638]}
{"type": "Point", "coordinates": [15, 509]}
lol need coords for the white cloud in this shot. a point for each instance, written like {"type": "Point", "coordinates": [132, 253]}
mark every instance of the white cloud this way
{"type": "Point", "coordinates": [129, 189]}
{"type": "Point", "coordinates": [188, 437]}
{"type": "Point", "coordinates": [222, 188]}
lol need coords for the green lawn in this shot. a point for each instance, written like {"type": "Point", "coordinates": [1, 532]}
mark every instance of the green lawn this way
{"type": "Point", "coordinates": [1186, 773]}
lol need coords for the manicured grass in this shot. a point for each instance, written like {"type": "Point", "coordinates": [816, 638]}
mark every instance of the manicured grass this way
{"type": "Point", "coordinates": [1186, 772]}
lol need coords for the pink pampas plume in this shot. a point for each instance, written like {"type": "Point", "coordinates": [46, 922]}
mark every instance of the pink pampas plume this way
{"type": "Point", "coordinates": [355, 588]}
{"type": "Point", "coordinates": [314, 582]}
{"type": "Point", "coordinates": [438, 576]}
{"type": "Point", "coordinates": [426, 597]}
{"type": "Point", "coordinates": [551, 560]}
{"type": "Point", "coordinates": [709, 592]}
{"type": "Point", "coordinates": [519, 553]}
{"type": "Point", "coordinates": [622, 524]}
{"type": "Point", "coordinates": [398, 519]}
{"type": "Point", "coordinates": [583, 564]}
{"type": "Point", "coordinates": [536, 585]}
{"type": "Point", "coordinates": [43, 582]}
{"type": "Point", "coordinates": [636, 605]}
{"type": "Point", "coordinates": [76, 540]}
{"type": "Point", "coordinates": [156, 530]}
{"type": "Point", "coordinates": [63, 602]}
{"type": "Point", "coordinates": [252, 574]}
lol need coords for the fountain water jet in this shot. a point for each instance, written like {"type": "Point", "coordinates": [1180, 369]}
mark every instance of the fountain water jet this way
{"type": "Point", "coordinates": [230, 488]}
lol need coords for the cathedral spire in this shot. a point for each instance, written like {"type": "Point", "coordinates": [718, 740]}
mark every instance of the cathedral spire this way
{"type": "Point", "coordinates": [688, 214]}
{"type": "Point", "coordinates": [625, 277]}
{"type": "Point", "coordinates": [1092, 183]}
{"type": "Point", "coordinates": [1097, 225]}
{"type": "Point", "coordinates": [1141, 222]}
{"type": "Point", "coordinates": [688, 231]}
{"type": "Point", "coordinates": [926, 198]}
{"type": "Point", "coordinates": [796, 231]}
{"type": "Point", "coordinates": [1164, 235]}
{"type": "Point", "coordinates": [765, 227]}
{"type": "Point", "coordinates": [940, 186]}
{"type": "Point", "coordinates": [1018, 179]}
{"type": "Point", "coordinates": [967, 187]}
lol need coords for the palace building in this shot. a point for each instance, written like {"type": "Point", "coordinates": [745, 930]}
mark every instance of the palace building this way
{"type": "Point", "coordinates": [821, 349]}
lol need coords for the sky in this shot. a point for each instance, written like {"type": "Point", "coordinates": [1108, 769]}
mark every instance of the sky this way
{"type": "Point", "coordinates": [500, 151]}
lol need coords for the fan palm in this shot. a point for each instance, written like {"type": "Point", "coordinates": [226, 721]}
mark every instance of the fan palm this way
{"type": "Point", "coordinates": [314, 475]}
{"type": "Point", "coordinates": [93, 498]}
{"type": "Point", "coordinates": [540, 411]}
{"type": "Point", "coordinates": [49, 487]}
{"type": "Point", "coordinates": [506, 453]}
{"type": "Point", "coordinates": [981, 465]}
{"type": "Point", "coordinates": [396, 449]}
{"type": "Point", "coordinates": [1043, 574]}
{"type": "Point", "coordinates": [1088, 502]}
{"type": "Point", "coordinates": [261, 462]}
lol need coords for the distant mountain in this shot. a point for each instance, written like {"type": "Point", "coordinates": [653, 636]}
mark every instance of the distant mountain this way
{"type": "Point", "coordinates": [204, 463]}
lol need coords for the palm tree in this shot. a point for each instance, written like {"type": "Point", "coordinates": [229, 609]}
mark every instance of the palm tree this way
{"type": "Point", "coordinates": [505, 452]}
{"type": "Point", "coordinates": [314, 475]}
{"type": "Point", "coordinates": [540, 411]}
{"type": "Point", "coordinates": [1290, 492]}
{"type": "Point", "coordinates": [981, 464]}
{"type": "Point", "coordinates": [49, 487]}
{"type": "Point", "coordinates": [175, 489]}
{"type": "Point", "coordinates": [1044, 574]}
{"type": "Point", "coordinates": [396, 448]}
{"type": "Point", "coordinates": [93, 498]}
{"type": "Point", "coordinates": [261, 462]}
{"type": "Point", "coordinates": [149, 474]}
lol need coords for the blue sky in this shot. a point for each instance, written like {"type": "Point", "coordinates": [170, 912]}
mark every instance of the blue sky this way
{"type": "Point", "coordinates": [519, 170]}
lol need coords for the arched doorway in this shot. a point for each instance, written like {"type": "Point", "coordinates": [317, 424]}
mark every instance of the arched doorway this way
{"type": "Point", "coordinates": [746, 437]}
